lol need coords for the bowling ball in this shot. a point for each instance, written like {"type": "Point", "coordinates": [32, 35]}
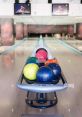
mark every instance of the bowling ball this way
{"type": "Point", "coordinates": [51, 61]}
{"type": "Point", "coordinates": [41, 54]}
{"type": "Point", "coordinates": [32, 60]}
{"type": "Point", "coordinates": [45, 75]}
{"type": "Point", "coordinates": [30, 71]}
{"type": "Point", "coordinates": [56, 70]}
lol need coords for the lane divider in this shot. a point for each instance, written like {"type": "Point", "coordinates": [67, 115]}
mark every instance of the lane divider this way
{"type": "Point", "coordinates": [13, 46]}
{"type": "Point", "coordinates": [71, 48]}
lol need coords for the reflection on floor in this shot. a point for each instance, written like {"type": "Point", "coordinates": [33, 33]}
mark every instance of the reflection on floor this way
{"type": "Point", "coordinates": [12, 100]}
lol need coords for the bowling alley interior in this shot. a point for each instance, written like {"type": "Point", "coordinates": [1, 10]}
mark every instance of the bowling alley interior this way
{"type": "Point", "coordinates": [40, 58]}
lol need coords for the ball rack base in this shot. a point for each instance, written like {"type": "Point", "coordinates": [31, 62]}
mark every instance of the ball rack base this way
{"type": "Point", "coordinates": [41, 101]}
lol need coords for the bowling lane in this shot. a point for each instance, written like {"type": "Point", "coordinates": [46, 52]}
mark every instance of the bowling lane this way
{"type": "Point", "coordinates": [11, 65]}
{"type": "Point", "coordinates": [12, 100]}
{"type": "Point", "coordinates": [71, 64]}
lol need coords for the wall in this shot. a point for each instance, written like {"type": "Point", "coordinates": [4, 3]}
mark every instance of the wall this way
{"type": "Point", "coordinates": [44, 1]}
{"type": "Point", "coordinates": [79, 30]}
{"type": "Point", "coordinates": [41, 10]}
{"type": "Point", "coordinates": [51, 29]}
{"type": "Point", "coordinates": [41, 14]}
{"type": "Point", "coordinates": [7, 9]}
{"type": "Point", "coordinates": [66, 1]}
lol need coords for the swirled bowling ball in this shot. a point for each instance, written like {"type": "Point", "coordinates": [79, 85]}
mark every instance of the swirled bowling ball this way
{"type": "Point", "coordinates": [41, 54]}
{"type": "Point", "coordinates": [30, 71]}
{"type": "Point", "coordinates": [45, 75]}
{"type": "Point", "coordinates": [56, 70]}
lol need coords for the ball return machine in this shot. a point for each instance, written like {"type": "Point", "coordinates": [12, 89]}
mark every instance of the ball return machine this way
{"type": "Point", "coordinates": [41, 91]}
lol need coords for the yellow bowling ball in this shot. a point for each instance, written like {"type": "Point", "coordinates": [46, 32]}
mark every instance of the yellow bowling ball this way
{"type": "Point", "coordinates": [30, 71]}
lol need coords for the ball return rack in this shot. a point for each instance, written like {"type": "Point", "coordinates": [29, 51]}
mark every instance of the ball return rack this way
{"type": "Point", "coordinates": [42, 91]}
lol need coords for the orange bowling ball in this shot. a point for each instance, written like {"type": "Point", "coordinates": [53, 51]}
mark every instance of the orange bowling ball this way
{"type": "Point", "coordinates": [51, 61]}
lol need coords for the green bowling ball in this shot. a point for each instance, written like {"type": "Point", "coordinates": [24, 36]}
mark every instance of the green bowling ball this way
{"type": "Point", "coordinates": [32, 60]}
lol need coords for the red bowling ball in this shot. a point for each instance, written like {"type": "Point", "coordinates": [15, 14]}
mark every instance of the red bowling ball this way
{"type": "Point", "coordinates": [41, 54]}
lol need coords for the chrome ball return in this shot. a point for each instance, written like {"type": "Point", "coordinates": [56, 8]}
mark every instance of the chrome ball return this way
{"type": "Point", "coordinates": [42, 91]}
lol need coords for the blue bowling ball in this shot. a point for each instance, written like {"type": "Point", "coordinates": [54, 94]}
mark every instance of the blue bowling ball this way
{"type": "Point", "coordinates": [56, 70]}
{"type": "Point", "coordinates": [45, 75]}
